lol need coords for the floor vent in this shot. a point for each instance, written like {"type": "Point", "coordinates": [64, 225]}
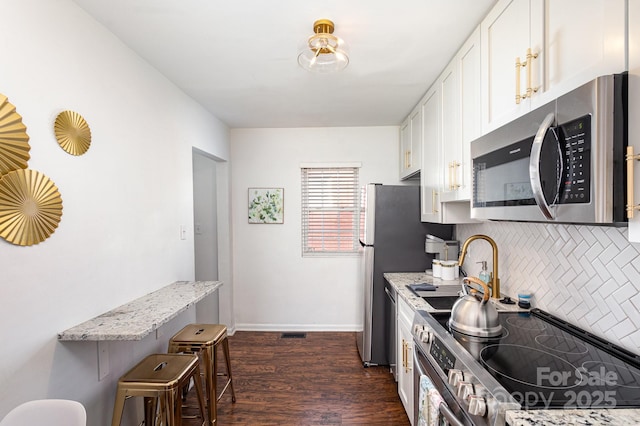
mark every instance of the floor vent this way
{"type": "Point", "coordinates": [293, 335]}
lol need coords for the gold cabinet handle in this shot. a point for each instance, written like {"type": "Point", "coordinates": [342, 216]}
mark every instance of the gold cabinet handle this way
{"type": "Point", "coordinates": [530, 90]}
{"type": "Point", "coordinates": [404, 354]}
{"type": "Point", "coordinates": [456, 185]}
{"type": "Point", "coordinates": [630, 158]}
{"type": "Point", "coordinates": [408, 366]}
{"type": "Point", "coordinates": [407, 159]}
{"type": "Point", "coordinates": [518, 66]}
{"type": "Point", "coordinates": [434, 196]}
{"type": "Point", "coordinates": [453, 176]}
{"type": "Point", "coordinates": [530, 58]}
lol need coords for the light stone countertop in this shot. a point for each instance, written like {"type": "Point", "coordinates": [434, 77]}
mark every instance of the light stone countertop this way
{"type": "Point", "coordinates": [400, 281]}
{"type": "Point", "coordinates": [514, 417]}
{"type": "Point", "coordinates": [616, 417]}
{"type": "Point", "coordinates": [139, 318]}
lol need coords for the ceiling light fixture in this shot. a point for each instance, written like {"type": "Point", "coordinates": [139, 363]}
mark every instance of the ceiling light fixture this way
{"type": "Point", "coordinates": [324, 52]}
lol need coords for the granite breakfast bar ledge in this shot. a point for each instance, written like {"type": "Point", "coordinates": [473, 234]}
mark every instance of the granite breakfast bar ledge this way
{"type": "Point", "coordinates": [139, 318]}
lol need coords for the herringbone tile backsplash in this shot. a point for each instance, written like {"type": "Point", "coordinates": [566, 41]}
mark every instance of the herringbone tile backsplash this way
{"type": "Point", "coordinates": [587, 275]}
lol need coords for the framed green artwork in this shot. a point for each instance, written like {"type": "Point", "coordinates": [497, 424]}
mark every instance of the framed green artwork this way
{"type": "Point", "coordinates": [266, 205]}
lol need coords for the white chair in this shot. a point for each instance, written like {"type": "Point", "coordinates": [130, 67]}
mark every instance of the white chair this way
{"type": "Point", "coordinates": [49, 412]}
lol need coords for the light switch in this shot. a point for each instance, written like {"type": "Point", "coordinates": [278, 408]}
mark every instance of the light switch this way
{"type": "Point", "coordinates": [183, 232]}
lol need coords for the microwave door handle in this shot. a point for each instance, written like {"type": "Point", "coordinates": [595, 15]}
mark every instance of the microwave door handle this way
{"type": "Point", "coordinates": [534, 170]}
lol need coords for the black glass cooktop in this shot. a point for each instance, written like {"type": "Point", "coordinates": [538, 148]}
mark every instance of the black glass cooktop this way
{"type": "Point", "coordinates": [544, 362]}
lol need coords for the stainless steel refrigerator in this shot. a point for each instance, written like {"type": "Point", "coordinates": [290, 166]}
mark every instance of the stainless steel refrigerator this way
{"type": "Point", "coordinates": [392, 237]}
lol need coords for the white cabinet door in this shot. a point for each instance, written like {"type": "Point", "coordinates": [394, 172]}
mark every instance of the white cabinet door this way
{"type": "Point", "coordinates": [430, 175]}
{"type": "Point", "coordinates": [405, 148]}
{"type": "Point", "coordinates": [571, 43]}
{"type": "Point", "coordinates": [415, 160]}
{"type": "Point", "coordinates": [411, 145]}
{"type": "Point", "coordinates": [505, 36]}
{"type": "Point", "coordinates": [469, 65]}
{"type": "Point", "coordinates": [405, 356]}
{"type": "Point", "coordinates": [450, 120]}
{"type": "Point", "coordinates": [461, 112]}
{"type": "Point", "coordinates": [589, 44]}
{"type": "Point", "coordinates": [450, 124]}
{"type": "Point", "coordinates": [634, 108]}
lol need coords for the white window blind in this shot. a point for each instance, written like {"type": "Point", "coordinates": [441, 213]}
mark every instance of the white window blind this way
{"type": "Point", "coordinates": [330, 211]}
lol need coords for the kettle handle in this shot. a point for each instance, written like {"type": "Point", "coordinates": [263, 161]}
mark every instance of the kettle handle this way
{"type": "Point", "coordinates": [484, 285]}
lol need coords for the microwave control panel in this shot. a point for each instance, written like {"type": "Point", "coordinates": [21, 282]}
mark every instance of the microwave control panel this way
{"type": "Point", "coordinates": [576, 138]}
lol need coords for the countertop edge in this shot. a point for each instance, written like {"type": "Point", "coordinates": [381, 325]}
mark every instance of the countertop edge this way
{"type": "Point", "coordinates": [573, 417]}
{"type": "Point", "coordinates": [135, 320]}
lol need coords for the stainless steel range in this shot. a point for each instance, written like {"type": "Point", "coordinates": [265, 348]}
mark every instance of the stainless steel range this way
{"type": "Point", "coordinates": [539, 362]}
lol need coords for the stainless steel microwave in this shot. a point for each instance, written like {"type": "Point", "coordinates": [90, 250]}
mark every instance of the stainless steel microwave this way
{"type": "Point", "coordinates": [562, 162]}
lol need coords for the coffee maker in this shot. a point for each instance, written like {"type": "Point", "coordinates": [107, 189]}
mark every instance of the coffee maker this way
{"type": "Point", "coordinates": [444, 265]}
{"type": "Point", "coordinates": [442, 249]}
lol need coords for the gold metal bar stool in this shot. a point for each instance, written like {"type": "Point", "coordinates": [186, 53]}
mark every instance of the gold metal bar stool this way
{"type": "Point", "coordinates": [204, 339]}
{"type": "Point", "coordinates": [160, 377]}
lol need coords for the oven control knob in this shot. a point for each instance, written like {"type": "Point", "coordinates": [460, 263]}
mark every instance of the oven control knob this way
{"type": "Point", "coordinates": [425, 336]}
{"type": "Point", "coordinates": [477, 405]}
{"type": "Point", "coordinates": [455, 376]}
{"type": "Point", "coordinates": [465, 389]}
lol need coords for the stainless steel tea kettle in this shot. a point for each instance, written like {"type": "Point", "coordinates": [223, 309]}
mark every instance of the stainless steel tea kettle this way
{"type": "Point", "coordinates": [472, 315]}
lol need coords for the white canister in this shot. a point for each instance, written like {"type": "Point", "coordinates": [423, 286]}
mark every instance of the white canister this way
{"type": "Point", "coordinates": [436, 268]}
{"type": "Point", "coordinates": [448, 270]}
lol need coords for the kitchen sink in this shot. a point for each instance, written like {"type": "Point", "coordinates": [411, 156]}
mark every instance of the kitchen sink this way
{"type": "Point", "coordinates": [441, 302]}
{"type": "Point", "coordinates": [442, 297]}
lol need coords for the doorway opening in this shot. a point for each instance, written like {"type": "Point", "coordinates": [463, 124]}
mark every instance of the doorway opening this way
{"type": "Point", "coordinates": [205, 227]}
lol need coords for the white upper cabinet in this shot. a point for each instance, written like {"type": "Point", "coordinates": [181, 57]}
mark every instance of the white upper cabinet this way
{"type": "Point", "coordinates": [411, 145]}
{"type": "Point", "coordinates": [449, 83]}
{"type": "Point", "coordinates": [460, 86]}
{"type": "Point", "coordinates": [451, 117]}
{"type": "Point", "coordinates": [430, 176]}
{"type": "Point", "coordinates": [558, 44]}
{"type": "Point", "coordinates": [505, 36]}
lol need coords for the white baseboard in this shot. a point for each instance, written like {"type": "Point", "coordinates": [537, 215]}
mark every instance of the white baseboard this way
{"type": "Point", "coordinates": [298, 327]}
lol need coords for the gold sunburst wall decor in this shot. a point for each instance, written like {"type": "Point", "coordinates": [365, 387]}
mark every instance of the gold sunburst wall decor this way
{"type": "Point", "coordinates": [14, 141]}
{"type": "Point", "coordinates": [72, 132]}
{"type": "Point", "coordinates": [30, 207]}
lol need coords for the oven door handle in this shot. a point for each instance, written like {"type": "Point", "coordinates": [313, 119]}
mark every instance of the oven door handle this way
{"type": "Point", "coordinates": [393, 299]}
{"type": "Point", "coordinates": [534, 170]}
{"type": "Point", "coordinates": [448, 415]}
{"type": "Point", "coordinates": [443, 408]}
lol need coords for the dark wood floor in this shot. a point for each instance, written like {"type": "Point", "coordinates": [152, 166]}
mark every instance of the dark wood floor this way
{"type": "Point", "coordinates": [317, 380]}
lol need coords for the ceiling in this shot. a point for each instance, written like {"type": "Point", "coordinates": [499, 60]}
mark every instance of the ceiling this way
{"type": "Point", "coordinates": [238, 58]}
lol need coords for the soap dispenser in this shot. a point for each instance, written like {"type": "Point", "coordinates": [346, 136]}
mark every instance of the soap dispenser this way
{"type": "Point", "coordinates": [484, 275]}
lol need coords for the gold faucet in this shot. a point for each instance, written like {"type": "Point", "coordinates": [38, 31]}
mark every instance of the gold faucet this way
{"type": "Point", "coordinates": [495, 281]}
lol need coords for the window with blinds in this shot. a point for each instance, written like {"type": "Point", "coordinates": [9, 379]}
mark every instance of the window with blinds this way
{"type": "Point", "coordinates": [330, 211]}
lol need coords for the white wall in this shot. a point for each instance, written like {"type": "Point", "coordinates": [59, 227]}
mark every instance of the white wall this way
{"type": "Point", "coordinates": [124, 200]}
{"type": "Point", "coordinates": [587, 275]}
{"type": "Point", "coordinates": [275, 288]}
